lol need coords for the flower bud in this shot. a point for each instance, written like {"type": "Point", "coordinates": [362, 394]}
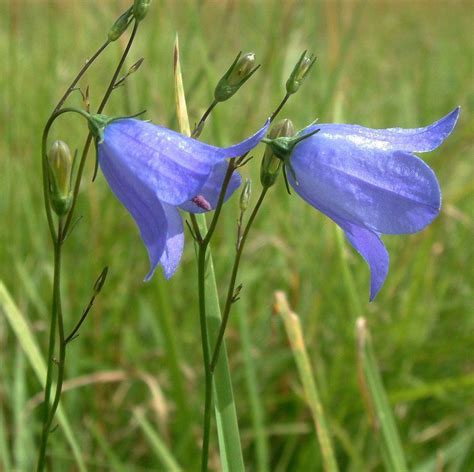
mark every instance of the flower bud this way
{"type": "Point", "coordinates": [300, 71]}
{"type": "Point", "coordinates": [271, 163]}
{"type": "Point", "coordinates": [238, 73]}
{"type": "Point", "coordinates": [60, 166]}
{"type": "Point", "coordinates": [245, 195]}
{"type": "Point", "coordinates": [140, 9]}
{"type": "Point", "coordinates": [120, 25]}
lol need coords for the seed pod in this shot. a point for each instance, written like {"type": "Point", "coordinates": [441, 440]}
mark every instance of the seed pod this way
{"type": "Point", "coordinates": [238, 73]}
{"type": "Point", "coordinates": [300, 71]}
{"type": "Point", "coordinates": [120, 25]}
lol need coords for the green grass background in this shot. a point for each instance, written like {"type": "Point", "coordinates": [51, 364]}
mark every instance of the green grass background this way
{"type": "Point", "coordinates": [380, 64]}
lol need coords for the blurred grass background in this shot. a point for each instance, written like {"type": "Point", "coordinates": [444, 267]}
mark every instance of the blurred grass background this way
{"type": "Point", "coordinates": [380, 64]}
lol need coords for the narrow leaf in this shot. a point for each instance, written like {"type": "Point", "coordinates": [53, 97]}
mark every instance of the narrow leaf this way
{"type": "Point", "coordinates": [226, 415]}
{"type": "Point", "coordinates": [28, 343]}
{"type": "Point", "coordinates": [295, 336]}
{"type": "Point", "coordinates": [159, 447]}
{"type": "Point", "coordinates": [372, 384]}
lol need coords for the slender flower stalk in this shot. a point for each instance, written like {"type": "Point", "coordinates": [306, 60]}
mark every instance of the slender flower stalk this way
{"type": "Point", "coordinates": [231, 289]}
{"type": "Point", "coordinates": [58, 237]}
{"type": "Point", "coordinates": [88, 142]}
{"type": "Point", "coordinates": [55, 309]}
{"type": "Point", "coordinates": [210, 362]}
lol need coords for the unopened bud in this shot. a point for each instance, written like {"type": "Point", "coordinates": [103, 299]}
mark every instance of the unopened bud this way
{"type": "Point", "coordinates": [120, 25]}
{"type": "Point", "coordinates": [300, 71]}
{"type": "Point", "coordinates": [238, 73]}
{"type": "Point", "coordinates": [60, 165]}
{"type": "Point", "coordinates": [140, 9]}
{"type": "Point", "coordinates": [245, 195]}
{"type": "Point", "coordinates": [271, 163]}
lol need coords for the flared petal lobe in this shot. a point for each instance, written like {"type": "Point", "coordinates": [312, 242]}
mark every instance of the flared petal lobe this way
{"type": "Point", "coordinates": [369, 245]}
{"type": "Point", "coordinates": [392, 139]}
{"type": "Point", "coordinates": [212, 189]}
{"type": "Point", "coordinates": [390, 192]}
{"type": "Point", "coordinates": [175, 166]}
{"type": "Point", "coordinates": [174, 246]}
{"type": "Point", "coordinates": [141, 203]}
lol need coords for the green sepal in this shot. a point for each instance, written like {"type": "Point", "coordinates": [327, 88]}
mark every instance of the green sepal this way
{"type": "Point", "coordinates": [282, 148]}
{"type": "Point", "coordinates": [271, 163]}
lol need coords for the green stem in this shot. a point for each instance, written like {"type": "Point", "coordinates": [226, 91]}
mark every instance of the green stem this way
{"type": "Point", "coordinates": [88, 142]}
{"type": "Point", "coordinates": [279, 107]}
{"type": "Point", "coordinates": [83, 70]}
{"type": "Point", "coordinates": [52, 343]}
{"type": "Point", "coordinates": [62, 343]}
{"type": "Point", "coordinates": [206, 355]}
{"type": "Point", "coordinates": [220, 202]}
{"type": "Point", "coordinates": [56, 311]}
{"type": "Point", "coordinates": [203, 244]}
{"type": "Point", "coordinates": [45, 167]}
{"type": "Point", "coordinates": [199, 127]}
{"type": "Point", "coordinates": [231, 289]}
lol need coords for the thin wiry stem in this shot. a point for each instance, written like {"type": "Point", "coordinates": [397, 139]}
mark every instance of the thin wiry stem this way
{"type": "Point", "coordinates": [233, 278]}
{"type": "Point", "coordinates": [83, 70]}
{"type": "Point", "coordinates": [88, 142]}
{"type": "Point", "coordinates": [58, 239]}
{"type": "Point", "coordinates": [280, 106]}
{"type": "Point", "coordinates": [203, 243]}
{"type": "Point", "coordinates": [50, 359]}
{"type": "Point", "coordinates": [206, 355]}
{"type": "Point", "coordinates": [200, 126]}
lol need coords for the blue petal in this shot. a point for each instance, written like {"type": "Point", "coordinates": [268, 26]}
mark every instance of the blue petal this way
{"type": "Point", "coordinates": [392, 139]}
{"type": "Point", "coordinates": [172, 164]}
{"type": "Point", "coordinates": [141, 203]}
{"type": "Point", "coordinates": [212, 188]}
{"type": "Point", "coordinates": [386, 192]}
{"type": "Point", "coordinates": [174, 241]}
{"type": "Point", "coordinates": [245, 146]}
{"type": "Point", "coordinates": [369, 245]}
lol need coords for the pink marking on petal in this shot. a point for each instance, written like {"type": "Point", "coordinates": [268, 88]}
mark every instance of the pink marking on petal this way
{"type": "Point", "coordinates": [201, 202]}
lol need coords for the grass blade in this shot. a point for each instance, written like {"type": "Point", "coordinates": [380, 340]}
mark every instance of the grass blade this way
{"type": "Point", "coordinates": [295, 336]}
{"type": "Point", "coordinates": [159, 447]}
{"type": "Point", "coordinates": [373, 386]}
{"type": "Point", "coordinates": [257, 408]}
{"type": "Point", "coordinates": [226, 415]}
{"type": "Point", "coordinates": [28, 343]}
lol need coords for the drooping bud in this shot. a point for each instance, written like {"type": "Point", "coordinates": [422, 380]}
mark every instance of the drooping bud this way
{"type": "Point", "coordinates": [238, 73]}
{"type": "Point", "coordinates": [140, 9]}
{"type": "Point", "coordinates": [271, 163]}
{"type": "Point", "coordinates": [120, 25]}
{"type": "Point", "coordinates": [60, 166]}
{"type": "Point", "coordinates": [300, 71]}
{"type": "Point", "coordinates": [245, 195]}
